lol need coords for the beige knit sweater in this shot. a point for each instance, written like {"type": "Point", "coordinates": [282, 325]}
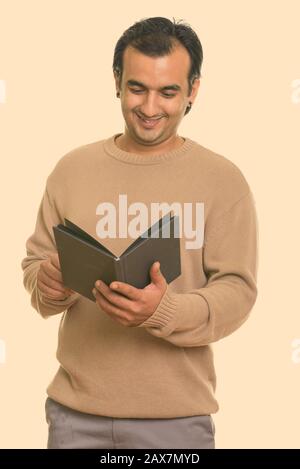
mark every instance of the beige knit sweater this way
{"type": "Point", "coordinates": [164, 367]}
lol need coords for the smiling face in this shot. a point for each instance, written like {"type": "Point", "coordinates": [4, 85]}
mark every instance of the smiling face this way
{"type": "Point", "coordinates": [154, 96]}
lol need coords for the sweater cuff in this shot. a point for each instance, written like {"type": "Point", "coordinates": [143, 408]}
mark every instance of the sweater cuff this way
{"type": "Point", "coordinates": [66, 302]}
{"type": "Point", "coordinates": [165, 312]}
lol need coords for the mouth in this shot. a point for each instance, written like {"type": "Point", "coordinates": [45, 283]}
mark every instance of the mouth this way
{"type": "Point", "coordinates": [148, 123]}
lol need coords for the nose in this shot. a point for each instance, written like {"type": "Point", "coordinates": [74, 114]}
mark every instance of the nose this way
{"type": "Point", "coordinates": [150, 109]}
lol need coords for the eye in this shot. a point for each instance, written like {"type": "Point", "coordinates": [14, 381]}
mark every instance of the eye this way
{"type": "Point", "coordinates": [166, 95]}
{"type": "Point", "coordinates": [136, 91]}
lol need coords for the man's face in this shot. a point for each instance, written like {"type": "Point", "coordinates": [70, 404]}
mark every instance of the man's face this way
{"type": "Point", "coordinates": [152, 114]}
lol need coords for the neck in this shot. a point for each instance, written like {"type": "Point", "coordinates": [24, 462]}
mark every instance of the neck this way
{"type": "Point", "coordinates": [126, 143]}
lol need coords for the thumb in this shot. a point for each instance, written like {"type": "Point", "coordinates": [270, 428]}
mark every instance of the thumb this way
{"type": "Point", "coordinates": [155, 274]}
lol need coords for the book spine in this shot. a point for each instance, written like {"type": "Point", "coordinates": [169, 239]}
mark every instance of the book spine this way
{"type": "Point", "coordinates": [120, 270]}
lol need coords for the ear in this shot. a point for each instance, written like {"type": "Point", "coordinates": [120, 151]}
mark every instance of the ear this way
{"type": "Point", "coordinates": [117, 81]}
{"type": "Point", "coordinates": [195, 88]}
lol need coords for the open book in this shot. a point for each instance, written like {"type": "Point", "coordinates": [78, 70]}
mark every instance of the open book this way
{"type": "Point", "coordinates": [83, 259]}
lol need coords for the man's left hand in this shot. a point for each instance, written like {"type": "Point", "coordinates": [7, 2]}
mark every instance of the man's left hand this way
{"type": "Point", "coordinates": [128, 305]}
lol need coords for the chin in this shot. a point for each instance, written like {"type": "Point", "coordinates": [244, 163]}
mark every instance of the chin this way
{"type": "Point", "coordinates": [143, 136]}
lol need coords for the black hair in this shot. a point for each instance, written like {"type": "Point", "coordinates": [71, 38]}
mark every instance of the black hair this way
{"type": "Point", "coordinates": [157, 37]}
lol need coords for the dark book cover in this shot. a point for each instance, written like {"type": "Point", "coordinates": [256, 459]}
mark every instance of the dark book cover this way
{"type": "Point", "coordinates": [83, 259]}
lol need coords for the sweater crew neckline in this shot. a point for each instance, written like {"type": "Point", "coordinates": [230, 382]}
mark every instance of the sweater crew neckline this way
{"type": "Point", "coordinates": [113, 150]}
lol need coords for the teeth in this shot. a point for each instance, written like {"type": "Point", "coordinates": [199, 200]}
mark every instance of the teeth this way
{"type": "Point", "coordinates": [149, 121]}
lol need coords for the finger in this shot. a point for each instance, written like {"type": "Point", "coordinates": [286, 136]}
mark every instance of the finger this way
{"type": "Point", "coordinates": [156, 275]}
{"type": "Point", "coordinates": [54, 270]}
{"type": "Point", "coordinates": [51, 271]}
{"type": "Point", "coordinates": [107, 307]}
{"type": "Point", "coordinates": [50, 292]}
{"type": "Point", "coordinates": [51, 283]}
{"type": "Point", "coordinates": [55, 260]}
{"type": "Point", "coordinates": [114, 298]}
{"type": "Point", "coordinates": [125, 289]}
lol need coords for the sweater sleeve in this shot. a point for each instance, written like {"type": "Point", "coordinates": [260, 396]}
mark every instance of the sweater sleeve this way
{"type": "Point", "coordinates": [39, 246]}
{"type": "Point", "coordinates": [207, 314]}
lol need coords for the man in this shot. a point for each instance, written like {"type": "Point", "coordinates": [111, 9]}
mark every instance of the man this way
{"type": "Point", "coordinates": [136, 366]}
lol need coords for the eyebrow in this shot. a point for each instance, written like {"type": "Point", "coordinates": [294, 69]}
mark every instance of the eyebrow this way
{"type": "Point", "coordinates": [173, 87]}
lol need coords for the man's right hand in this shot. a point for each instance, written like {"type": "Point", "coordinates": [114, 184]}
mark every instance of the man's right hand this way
{"type": "Point", "coordinates": [49, 279]}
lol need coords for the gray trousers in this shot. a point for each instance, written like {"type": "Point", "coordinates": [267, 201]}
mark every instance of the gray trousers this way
{"type": "Point", "coordinates": [69, 428]}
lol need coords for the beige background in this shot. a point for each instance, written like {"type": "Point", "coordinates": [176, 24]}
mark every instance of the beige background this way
{"type": "Point", "coordinates": [56, 62]}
